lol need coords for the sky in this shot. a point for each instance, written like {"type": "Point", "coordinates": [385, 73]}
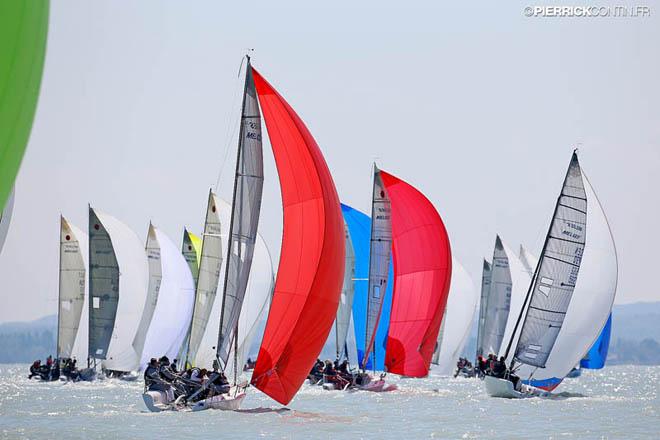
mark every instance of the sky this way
{"type": "Point", "coordinates": [473, 103]}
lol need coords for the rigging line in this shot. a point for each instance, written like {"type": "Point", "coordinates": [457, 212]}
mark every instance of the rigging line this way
{"type": "Point", "coordinates": [231, 125]}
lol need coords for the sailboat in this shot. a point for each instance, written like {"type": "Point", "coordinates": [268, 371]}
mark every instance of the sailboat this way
{"type": "Point", "coordinates": [310, 273]}
{"type": "Point", "coordinates": [171, 312]}
{"type": "Point", "coordinates": [118, 280]}
{"type": "Point", "coordinates": [22, 51]}
{"type": "Point", "coordinates": [5, 219]}
{"type": "Point", "coordinates": [486, 276]}
{"type": "Point", "coordinates": [456, 322]}
{"type": "Point", "coordinates": [569, 298]}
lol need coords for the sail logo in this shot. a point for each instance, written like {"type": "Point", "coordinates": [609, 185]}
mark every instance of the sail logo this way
{"type": "Point", "coordinates": [253, 135]}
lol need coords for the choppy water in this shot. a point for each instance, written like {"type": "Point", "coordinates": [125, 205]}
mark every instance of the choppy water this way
{"type": "Point", "coordinates": [618, 402]}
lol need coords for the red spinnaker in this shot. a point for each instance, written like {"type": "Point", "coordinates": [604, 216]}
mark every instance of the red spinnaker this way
{"type": "Point", "coordinates": [422, 274]}
{"type": "Point", "coordinates": [311, 269]}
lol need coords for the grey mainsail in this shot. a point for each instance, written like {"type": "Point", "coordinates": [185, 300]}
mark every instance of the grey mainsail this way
{"type": "Point", "coordinates": [209, 273]}
{"type": "Point", "coordinates": [556, 273]}
{"type": "Point", "coordinates": [155, 278]}
{"type": "Point", "coordinates": [103, 288]}
{"type": "Point", "coordinates": [345, 309]}
{"type": "Point", "coordinates": [483, 305]}
{"type": "Point", "coordinates": [379, 259]}
{"type": "Point", "coordinates": [71, 290]}
{"type": "Point", "coordinates": [499, 301]}
{"type": "Point", "coordinates": [246, 206]}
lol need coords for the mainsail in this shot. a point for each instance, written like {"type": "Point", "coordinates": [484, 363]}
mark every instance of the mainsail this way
{"type": "Point", "coordinates": [173, 310]}
{"type": "Point", "coordinates": [422, 276]}
{"type": "Point", "coordinates": [209, 272]}
{"type": "Point", "coordinates": [380, 253]}
{"type": "Point", "coordinates": [345, 310]}
{"type": "Point", "coordinates": [117, 301]}
{"type": "Point", "coordinates": [155, 278]}
{"type": "Point", "coordinates": [311, 268]}
{"type": "Point", "coordinates": [556, 273]}
{"type": "Point", "coordinates": [192, 252]}
{"type": "Point", "coordinates": [103, 287]}
{"type": "Point", "coordinates": [5, 219]}
{"type": "Point", "coordinates": [23, 35]}
{"type": "Point", "coordinates": [483, 305]}
{"type": "Point", "coordinates": [457, 320]}
{"type": "Point", "coordinates": [359, 227]}
{"type": "Point", "coordinates": [72, 284]}
{"type": "Point", "coordinates": [499, 300]}
{"type": "Point", "coordinates": [246, 205]}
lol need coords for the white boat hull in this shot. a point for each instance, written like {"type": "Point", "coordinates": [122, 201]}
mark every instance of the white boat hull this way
{"type": "Point", "coordinates": [224, 402]}
{"type": "Point", "coordinates": [378, 386]}
{"type": "Point", "coordinates": [503, 388]}
{"type": "Point", "coordinates": [157, 401]}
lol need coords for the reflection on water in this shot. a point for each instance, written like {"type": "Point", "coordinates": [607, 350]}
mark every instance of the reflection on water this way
{"type": "Point", "coordinates": [618, 402]}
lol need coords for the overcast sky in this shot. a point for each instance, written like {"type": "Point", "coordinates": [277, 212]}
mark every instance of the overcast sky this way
{"type": "Point", "coordinates": [475, 104]}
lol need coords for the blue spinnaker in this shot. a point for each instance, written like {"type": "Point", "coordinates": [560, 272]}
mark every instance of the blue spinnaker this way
{"type": "Point", "coordinates": [597, 354]}
{"type": "Point", "coordinates": [359, 227]}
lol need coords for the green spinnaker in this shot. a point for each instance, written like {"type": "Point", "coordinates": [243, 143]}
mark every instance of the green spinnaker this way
{"type": "Point", "coordinates": [23, 32]}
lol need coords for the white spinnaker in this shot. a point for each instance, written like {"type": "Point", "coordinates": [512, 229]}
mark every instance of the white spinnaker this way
{"type": "Point", "coordinates": [5, 219]}
{"type": "Point", "coordinates": [528, 260]}
{"type": "Point", "coordinates": [133, 281]}
{"type": "Point", "coordinates": [72, 292]}
{"type": "Point", "coordinates": [592, 298]}
{"type": "Point", "coordinates": [520, 280]}
{"type": "Point", "coordinates": [152, 249]}
{"type": "Point", "coordinates": [173, 311]}
{"type": "Point", "coordinates": [259, 289]}
{"type": "Point", "coordinates": [459, 316]}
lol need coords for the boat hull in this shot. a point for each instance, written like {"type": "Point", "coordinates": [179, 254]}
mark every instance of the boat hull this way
{"type": "Point", "coordinates": [378, 386]}
{"type": "Point", "coordinates": [158, 401]}
{"type": "Point", "coordinates": [503, 388]}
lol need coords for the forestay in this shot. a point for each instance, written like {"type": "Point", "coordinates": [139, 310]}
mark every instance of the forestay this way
{"type": "Point", "coordinates": [246, 205]}
{"type": "Point", "coordinates": [557, 272]}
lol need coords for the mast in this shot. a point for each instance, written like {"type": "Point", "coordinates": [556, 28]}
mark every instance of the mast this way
{"type": "Point", "coordinates": [248, 185]}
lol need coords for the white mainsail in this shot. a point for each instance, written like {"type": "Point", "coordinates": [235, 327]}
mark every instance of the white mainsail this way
{"type": "Point", "coordinates": [592, 298]}
{"type": "Point", "coordinates": [259, 289]}
{"type": "Point", "coordinates": [5, 219]}
{"type": "Point", "coordinates": [173, 310]}
{"type": "Point", "coordinates": [458, 319]}
{"type": "Point", "coordinates": [345, 309]}
{"type": "Point", "coordinates": [71, 316]}
{"type": "Point", "coordinates": [152, 249]}
{"type": "Point", "coordinates": [210, 265]}
{"type": "Point", "coordinates": [132, 290]}
{"type": "Point", "coordinates": [528, 260]}
{"type": "Point", "coordinates": [483, 305]}
{"type": "Point", "coordinates": [499, 300]}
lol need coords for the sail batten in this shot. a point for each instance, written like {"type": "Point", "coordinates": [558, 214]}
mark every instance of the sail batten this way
{"type": "Point", "coordinates": [246, 206]}
{"type": "Point", "coordinates": [556, 273]}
